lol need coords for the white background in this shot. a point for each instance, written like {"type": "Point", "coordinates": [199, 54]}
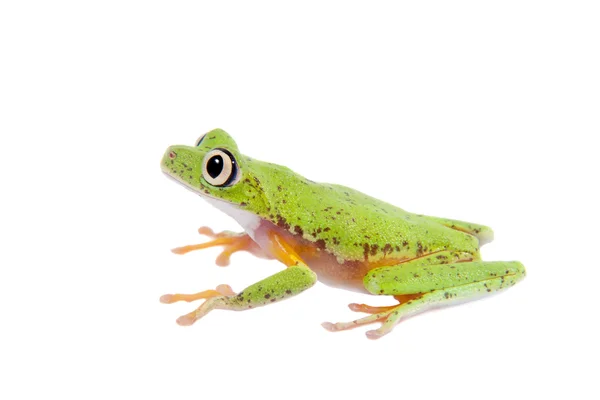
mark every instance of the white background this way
{"type": "Point", "coordinates": [482, 111]}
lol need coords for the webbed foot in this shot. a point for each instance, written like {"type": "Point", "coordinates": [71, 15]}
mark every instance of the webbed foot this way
{"type": "Point", "coordinates": [381, 316]}
{"type": "Point", "coordinates": [221, 290]}
{"type": "Point", "coordinates": [387, 315]}
{"type": "Point", "coordinates": [231, 241]}
{"type": "Point", "coordinates": [212, 297]}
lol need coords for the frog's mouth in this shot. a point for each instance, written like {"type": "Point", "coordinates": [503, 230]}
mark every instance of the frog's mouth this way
{"type": "Point", "coordinates": [185, 184]}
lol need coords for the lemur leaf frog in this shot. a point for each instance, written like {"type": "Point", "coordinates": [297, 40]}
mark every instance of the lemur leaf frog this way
{"type": "Point", "coordinates": [333, 234]}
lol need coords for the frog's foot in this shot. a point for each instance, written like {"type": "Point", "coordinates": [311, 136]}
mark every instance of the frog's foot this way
{"type": "Point", "coordinates": [221, 290]}
{"type": "Point", "coordinates": [389, 316]}
{"type": "Point", "coordinates": [403, 298]}
{"type": "Point", "coordinates": [231, 242]}
{"type": "Point", "coordinates": [371, 319]}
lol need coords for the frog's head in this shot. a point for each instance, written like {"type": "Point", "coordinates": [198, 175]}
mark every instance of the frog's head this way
{"type": "Point", "coordinates": [215, 169]}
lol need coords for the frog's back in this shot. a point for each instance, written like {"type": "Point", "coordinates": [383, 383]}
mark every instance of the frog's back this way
{"type": "Point", "coordinates": [354, 226]}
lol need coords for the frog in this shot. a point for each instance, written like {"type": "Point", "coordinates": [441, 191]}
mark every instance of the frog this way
{"type": "Point", "coordinates": [332, 234]}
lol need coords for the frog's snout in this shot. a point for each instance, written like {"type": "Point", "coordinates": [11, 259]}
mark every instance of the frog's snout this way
{"type": "Point", "coordinates": [170, 154]}
{"type": "Point", "coordinates": [168, 158]}
{"type": "Point", "coordinates": [183, 163]}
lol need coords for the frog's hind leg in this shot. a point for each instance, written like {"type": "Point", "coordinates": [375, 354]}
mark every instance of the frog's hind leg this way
{"type": "Point", "coordinates": [439, 285]}
{"type": "Point", "coordinates": [483, 233]}
{"type": "Point", "coordinates": [231, 241]}
{"type": "Point", "coordinates": [501, 276]}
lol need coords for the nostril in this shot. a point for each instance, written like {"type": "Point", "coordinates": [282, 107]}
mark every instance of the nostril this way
{"type": "Point", "coordinates": [172, 155]}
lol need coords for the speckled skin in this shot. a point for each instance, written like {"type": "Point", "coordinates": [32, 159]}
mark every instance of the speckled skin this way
{"type": "Point", "coordinates": [347, 238]}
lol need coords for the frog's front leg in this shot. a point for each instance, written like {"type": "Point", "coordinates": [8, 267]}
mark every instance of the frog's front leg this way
{"type": "Point", "coordinates": [231, 241]}
{"type": "Point", "coordinates": [287, 283]}
{"type": "Point", "coordinates": [432, 286]}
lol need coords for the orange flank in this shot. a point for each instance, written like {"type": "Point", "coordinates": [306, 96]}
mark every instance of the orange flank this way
{"type": "Point", "coordinates": [290, 248]}
{"type": "Point", "coordinates": [282, 250]}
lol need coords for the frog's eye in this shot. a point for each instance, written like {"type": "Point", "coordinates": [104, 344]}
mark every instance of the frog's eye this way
{"type": "Point", "coordinates": [200, 139]}
{"type": "Point", "coordinates": [219, 168]}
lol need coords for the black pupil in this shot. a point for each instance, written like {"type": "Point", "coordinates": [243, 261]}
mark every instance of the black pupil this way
{"type": "Point", "coordinates": [214, 167]}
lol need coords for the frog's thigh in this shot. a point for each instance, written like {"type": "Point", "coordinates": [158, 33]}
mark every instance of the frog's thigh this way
{"type": "Point", "coordinates": [483, 233]}
{"type": "Point", "coordinates": [464, 278]}
{"type": "Point", "coordinates": [441, 285]}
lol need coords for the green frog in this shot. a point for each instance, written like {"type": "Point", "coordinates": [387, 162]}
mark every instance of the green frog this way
{"type": "Point", "coordinates": [333, 234]}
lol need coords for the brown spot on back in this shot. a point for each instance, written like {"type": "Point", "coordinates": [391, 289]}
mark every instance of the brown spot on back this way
{"type": "Point", "coordinates": [387, 248]}
{"type": "Point", "coordinates": [282, 223]}
{"type": "Point", "coordinates": [419, 249]}
{"type": "Point", "coordinates": [366, 248]}
{"type": "Point", "coordinates": [374, 249]}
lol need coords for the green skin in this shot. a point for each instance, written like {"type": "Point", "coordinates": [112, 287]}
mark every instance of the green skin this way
{"type": "Point", "coordinates": [437, 259]}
